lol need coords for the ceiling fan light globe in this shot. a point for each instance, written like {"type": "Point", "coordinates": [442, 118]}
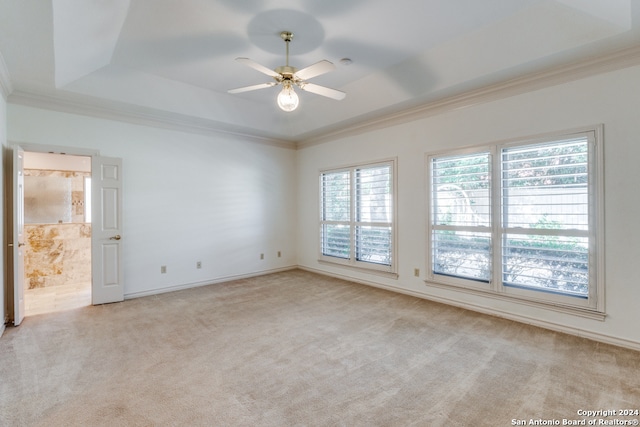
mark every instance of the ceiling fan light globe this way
{"type": "Point", "coordinates": [288, 99]}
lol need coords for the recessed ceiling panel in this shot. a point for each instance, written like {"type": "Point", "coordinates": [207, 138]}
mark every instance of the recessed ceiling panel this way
{"type": "Point", "coordinates": [85, 35]}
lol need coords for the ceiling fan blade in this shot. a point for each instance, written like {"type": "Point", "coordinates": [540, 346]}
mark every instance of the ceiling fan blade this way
{"type": "Point", "coordinates": [324, 91]}
{"type": "Point", "coordinates": [253, 64]}
{"type": "Point", "coordinates": [253, 87]}
{"type": "Point", "coordinates": [316, 69]}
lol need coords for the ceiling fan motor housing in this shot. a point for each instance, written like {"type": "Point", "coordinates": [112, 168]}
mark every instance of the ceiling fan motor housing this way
{"type": "Point", "coordinates": [286, 71]}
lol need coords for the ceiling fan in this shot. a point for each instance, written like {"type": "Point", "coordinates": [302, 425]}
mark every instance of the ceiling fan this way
{"type": "Point", "coordinates": [289, 77]}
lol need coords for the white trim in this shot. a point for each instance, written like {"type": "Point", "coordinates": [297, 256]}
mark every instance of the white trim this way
{"type": "Point", "coordinates": [517, 140]}
{"type": "Point", "coordinates": [2, 328]}
{"type": "Point", "coordinates": [553, 326]}
{"type": "Point", "coordinates": [622, 342]}
{"type": "Point", "coordinates": [360, 268]}
{"type": "Point", "coordinates": [6, 88]}
{"type": "Point", "coordinates": [525, 300]}
{"type": "Point", "coordinates": [144, 116]}
{"type": "Point", "coordinates": [599, 218]}
{"type": "Point", "coordinates": [56, 149]}
{"type": "Point", "coordinates": [179, 287]}
{"type": "Point", "coordinates": [580, 69]}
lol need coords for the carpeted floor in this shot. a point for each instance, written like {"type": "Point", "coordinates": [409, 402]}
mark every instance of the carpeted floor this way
{"type": "Point", "coordinates": [299, 349]}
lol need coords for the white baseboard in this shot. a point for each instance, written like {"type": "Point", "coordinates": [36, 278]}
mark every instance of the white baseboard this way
{"type": "Point", "coordinates": [607, 339]}
{"type": "Point", "coordinates": [182, 286]}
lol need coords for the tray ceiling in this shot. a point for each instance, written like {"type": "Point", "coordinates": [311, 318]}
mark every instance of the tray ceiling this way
{"type": "Point", "coordinates": [170, 57]}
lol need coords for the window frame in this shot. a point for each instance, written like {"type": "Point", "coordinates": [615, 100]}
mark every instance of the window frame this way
{"type": "Point", "coordinates": [443, 278]}
{"type": "Point", "coordinates": [593, 306]}
{"type": "Point", "coordinates": [353, 223]}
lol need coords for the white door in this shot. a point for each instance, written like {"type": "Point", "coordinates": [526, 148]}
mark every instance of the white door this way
{"type": "Point", "coordinates": [106, 230]}
{"type": "Point", "coordinates": [17, 236]}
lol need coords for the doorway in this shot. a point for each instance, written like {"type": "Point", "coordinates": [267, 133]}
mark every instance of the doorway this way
{"type": "Point", "coordinates": [57, 230]}
{"type": "Point", "coordinates": [107, 279]}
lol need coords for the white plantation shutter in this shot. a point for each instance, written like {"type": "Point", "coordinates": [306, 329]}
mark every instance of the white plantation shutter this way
{"type": "Point", "coordinates": [336, 214]}
{"type": "Point", "coordinates": [357, 217]}
{"type": "Point", "coordinates": [373, 214]}
{"type": "Point", "coordinates": [545, 204]}
{"type": "Point", "coordinates": [461, 216]}
{"type": "Point", "coordinates": [521, 220]}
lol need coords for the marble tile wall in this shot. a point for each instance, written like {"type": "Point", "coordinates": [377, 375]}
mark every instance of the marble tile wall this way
{"type": "Point", "coordinates": [58, 253]}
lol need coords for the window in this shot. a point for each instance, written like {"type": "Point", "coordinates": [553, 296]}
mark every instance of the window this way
{"type": "Point", "coordinates": [520, 220]}
{"type": "Point", "coordinates": [357, 216]}
{"type": "Point", "coordinates": [461, 228]}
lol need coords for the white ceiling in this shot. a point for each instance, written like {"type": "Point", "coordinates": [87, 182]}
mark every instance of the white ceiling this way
{"type": "Point", "coordinates": [176, 57]}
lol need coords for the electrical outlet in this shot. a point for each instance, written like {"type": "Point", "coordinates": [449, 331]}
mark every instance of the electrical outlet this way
{"type": "Point", "coordinates": [261, 256]}
{"type": "Point", "coordinates": [279, 254]}
{"type": "Point", "coordinates": [416, 272]}
{"type": "Point", "coordinates": [199, 264]}
{"type": "Point", "coordinates": [163, 269]}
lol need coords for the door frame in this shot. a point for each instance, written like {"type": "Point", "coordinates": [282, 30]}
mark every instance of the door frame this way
{"type": "Point", "coordinates": [38, 148]}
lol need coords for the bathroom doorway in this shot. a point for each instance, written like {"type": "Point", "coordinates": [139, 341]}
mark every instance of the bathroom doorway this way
{"type": "Point", "coordinates": [57, 229]}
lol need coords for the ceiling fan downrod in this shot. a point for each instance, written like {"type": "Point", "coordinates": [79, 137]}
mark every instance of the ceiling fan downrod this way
{"type": "Point", "coordinates": [286, 71]}
{"type": "Point", "coordinates": [287, 36]}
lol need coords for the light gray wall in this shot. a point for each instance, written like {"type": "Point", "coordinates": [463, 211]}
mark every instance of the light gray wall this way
{"type": "Point", "coordinates": [221, 200]}
{"type": "Point", "coordinates": [612, 99]}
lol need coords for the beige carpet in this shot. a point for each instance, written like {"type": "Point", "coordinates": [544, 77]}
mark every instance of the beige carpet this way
{"type": "Point", "coordinates": [299, 349]}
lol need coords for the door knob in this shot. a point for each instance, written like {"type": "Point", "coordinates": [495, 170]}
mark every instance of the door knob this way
{"type": "Point", "coordinates": [116, 237]}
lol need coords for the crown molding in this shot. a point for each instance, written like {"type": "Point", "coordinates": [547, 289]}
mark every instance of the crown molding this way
{"type": "Point", "coordinates": [94, 107]}
{"type": "Point", "coordinates": [565, 73]}
{"type": "Point", "coordinates": [5, 79]}
{"type": "Point", "coordinates": [144, 116]}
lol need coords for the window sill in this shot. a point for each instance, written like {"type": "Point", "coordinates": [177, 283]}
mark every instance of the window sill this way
{"type": "Point", "coordinates": [574, 311]}
{"type": "Point", "coordinates": [361, 269]}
